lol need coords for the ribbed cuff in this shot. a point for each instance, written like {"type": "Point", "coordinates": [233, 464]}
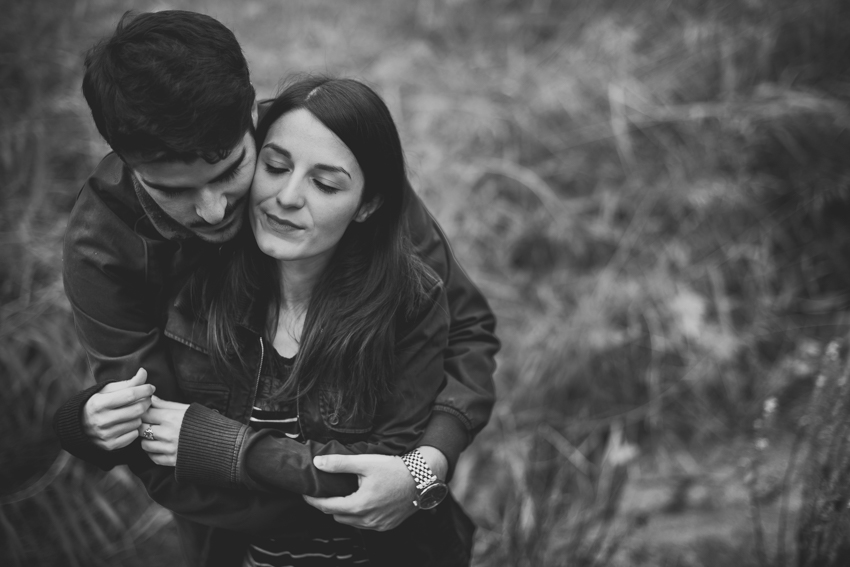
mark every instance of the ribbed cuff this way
{"type": "Point", "coordinates": [208, 447]}
{"type": "Point", "coordinates": [448, 434]}
{"type": "Point", "coordinates": [68, 427]}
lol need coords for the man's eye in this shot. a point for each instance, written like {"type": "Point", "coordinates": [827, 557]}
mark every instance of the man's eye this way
{"type": "Point", "coordinates": [231, 175]}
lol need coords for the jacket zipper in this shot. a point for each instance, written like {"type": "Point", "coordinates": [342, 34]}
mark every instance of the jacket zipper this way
{"type": "Point", "coordinates": [256, 381]}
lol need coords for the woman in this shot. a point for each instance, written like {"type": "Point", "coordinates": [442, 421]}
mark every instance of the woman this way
{"type": "Point", "coordinates": [321, 329]}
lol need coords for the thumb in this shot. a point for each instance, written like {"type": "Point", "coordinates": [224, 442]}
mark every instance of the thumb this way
{"type": "Point", "coordinates": [355, 464]}
{"type": "Point", "coordinates": [139, 378]}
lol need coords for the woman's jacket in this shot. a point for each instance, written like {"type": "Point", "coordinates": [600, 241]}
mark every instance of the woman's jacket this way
{"type": "Point", "coordinates": [217, 448]}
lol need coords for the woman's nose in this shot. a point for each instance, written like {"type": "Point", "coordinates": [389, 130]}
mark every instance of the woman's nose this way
{"type": "Point", "coordinates": [291, 194]}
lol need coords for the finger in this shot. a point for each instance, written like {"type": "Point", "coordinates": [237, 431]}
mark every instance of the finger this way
{"type": "Point", "coordinates": [119, 429]}
{"type": "Point", "coordinates": [163, 460]}
{"type": "Point", "coordinates": [333, 505]}
{"type": "Point", "coordinates": [125, 439]}
{"type": "Point", "coordinates": [139, 378]}
{"type": "Point", "coordinates": [349, 520]}
{"type": "Point", "coordinates": [118, 442]}
{"type": "Point", "coordinates": [108, 419]}
{"type": "Point", "coordinates": [355, 464]}
{"type": "Point", "coordinates": [124, 397]}
{"type": "Point", "coordinates": [158, 402]}
{"type": "Point", "coordinates": [157, 447]}
{"type": "Point", "coordinates": [158, 416]}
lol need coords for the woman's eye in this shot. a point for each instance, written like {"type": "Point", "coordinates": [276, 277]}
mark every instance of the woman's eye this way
{"type": "Point", "coordinates": [324, 187]}
{"type": "Point", "coordinates": [274, 169]}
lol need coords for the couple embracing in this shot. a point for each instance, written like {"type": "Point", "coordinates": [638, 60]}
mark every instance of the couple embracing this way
{"type": "Point", "coordinates": [318, 357]}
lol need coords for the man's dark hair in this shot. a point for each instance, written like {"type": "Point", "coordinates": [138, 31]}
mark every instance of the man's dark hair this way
{"type": "Point", "coordinates": [169, 86]}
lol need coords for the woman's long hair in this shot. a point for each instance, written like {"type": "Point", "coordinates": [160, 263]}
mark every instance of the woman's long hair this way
{"type": "Point", "coordinates": [373, 280]}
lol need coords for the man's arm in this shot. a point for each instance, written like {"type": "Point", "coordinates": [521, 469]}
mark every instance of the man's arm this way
{"type": "Point", "coordinates": [114, 279]}
{"type": "Point", "coordinates": [463, 407]}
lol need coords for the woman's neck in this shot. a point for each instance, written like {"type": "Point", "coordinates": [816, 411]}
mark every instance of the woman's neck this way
{"type": "Point", "coordinates": [298, 279]}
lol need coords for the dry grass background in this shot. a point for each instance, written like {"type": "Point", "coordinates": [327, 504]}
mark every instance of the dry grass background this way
{"type": "Point", "coordinates": [653, 196]}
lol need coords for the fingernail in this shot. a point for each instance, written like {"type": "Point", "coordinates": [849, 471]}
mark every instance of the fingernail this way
{"type": "Point", "coordinates": [319, 461]}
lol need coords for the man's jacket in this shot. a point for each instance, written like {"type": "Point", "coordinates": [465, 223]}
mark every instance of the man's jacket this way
{"type": "Point", "coordinates": [119, 270]}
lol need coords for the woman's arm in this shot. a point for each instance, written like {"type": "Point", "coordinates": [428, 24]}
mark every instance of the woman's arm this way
{"type": "Point", "coordinates": [250, 512]}
{"type": "Point", "coordinates": [218, 451]}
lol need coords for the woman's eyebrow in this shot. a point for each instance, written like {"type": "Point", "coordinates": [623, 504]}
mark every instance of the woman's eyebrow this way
{"type": "Point", "coordinates": [324, 167]}
{"type": "Point", "coordinates": [331, 169]}
{"type": "Point", "coordinates": [274, 147]}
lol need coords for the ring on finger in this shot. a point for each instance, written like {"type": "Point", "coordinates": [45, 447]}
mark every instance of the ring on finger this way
{"type": "Point", "coordinates": [148, 434]}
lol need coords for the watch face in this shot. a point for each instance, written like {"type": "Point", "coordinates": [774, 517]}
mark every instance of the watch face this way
{"type": "Point", "coordinates": [433, 495]}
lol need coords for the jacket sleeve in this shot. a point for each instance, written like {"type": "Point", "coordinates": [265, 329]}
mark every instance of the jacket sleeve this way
{"type": "Point", "coordinates": [463, 407]}
{"type": "Point", "coordinates": [219, 451]}
{"type": "Point", "coordinates": [254, 513]}
{"type": "Point", "coordinates": [110, 279]}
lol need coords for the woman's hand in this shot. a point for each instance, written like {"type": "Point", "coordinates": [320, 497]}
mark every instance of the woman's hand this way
{"type": "Point", "coordinates": [111, 417]}
{"type": "Point", "coordinates": [163, 421]}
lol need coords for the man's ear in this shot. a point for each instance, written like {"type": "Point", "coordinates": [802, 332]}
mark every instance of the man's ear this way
{"type": "Point", "coordinates": [255, 113]}
{"type": "Point", "coordinates": [366, 209]}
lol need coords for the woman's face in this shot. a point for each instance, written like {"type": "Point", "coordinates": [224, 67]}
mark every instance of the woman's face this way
{"type": "Point", "coordinates": [307, 189]}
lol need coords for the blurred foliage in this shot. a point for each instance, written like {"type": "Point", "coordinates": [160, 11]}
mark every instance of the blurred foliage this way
{"type": "Point", "coordinates": [651, 194]}
{"type": "Point", "coordinates": [53, 510]}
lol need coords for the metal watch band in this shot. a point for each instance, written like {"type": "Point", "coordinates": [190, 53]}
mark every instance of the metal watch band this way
{"type": "Point", "coordinates": [422, 473]}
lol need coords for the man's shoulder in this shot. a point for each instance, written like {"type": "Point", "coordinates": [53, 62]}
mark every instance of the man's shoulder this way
{"type": "Point", "coordinates": [101, 229]}
{"type": "Point", "coordinates": [108, 196]}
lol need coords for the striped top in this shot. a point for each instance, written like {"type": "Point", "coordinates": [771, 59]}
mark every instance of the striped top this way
{"type": "Point", "coordinates": [282, 415]}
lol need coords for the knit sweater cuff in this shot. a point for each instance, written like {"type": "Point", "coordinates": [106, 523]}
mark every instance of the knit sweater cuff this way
{"type": "Point", "coordinates": [208, 448]}
{"type": "Point", "coordinates": [448, 434]}
{"type": "Point", "coordinates": [68, 427]}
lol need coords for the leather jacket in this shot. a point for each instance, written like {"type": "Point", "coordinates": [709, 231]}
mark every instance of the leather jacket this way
{"type": "Point", "coordinates": [119, 270]}
{"type": "Point", "coordinates": [218, 448]}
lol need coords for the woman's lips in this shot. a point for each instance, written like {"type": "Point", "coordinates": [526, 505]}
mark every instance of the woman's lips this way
{"type": "Point", "coordinates": [282, 224]}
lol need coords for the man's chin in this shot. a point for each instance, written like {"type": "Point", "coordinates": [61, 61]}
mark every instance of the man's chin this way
{"type": "Point", "coordinates": [223, 234]}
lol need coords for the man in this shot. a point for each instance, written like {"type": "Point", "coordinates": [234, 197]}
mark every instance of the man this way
{"type": "Point", "coordinates": [170, 92]}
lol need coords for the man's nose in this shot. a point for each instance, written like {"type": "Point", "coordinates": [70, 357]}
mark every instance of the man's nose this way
{"type": "Point", "coordinates": [211, 205]}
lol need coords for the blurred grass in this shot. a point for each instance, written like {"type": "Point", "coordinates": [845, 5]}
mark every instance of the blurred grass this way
{"type": "Point", "coordinates": [53, 509]}
{"type": "Point", "coordinates": [653, 196]}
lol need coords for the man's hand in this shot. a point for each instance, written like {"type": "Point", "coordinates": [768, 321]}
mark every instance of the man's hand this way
{"type": "Point", "coordinates": [387, 489]}
{"type": "Point", "coordinates": [111, 418]}
{"type": "Point", "coordinates": [164, 420]}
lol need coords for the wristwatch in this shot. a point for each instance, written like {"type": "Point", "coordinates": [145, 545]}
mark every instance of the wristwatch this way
{"type": "Point", "coordinates": [430, 490]}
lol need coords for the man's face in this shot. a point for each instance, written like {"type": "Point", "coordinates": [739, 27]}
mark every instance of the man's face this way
{"type": "Point", "coordinates": [206, 198]}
